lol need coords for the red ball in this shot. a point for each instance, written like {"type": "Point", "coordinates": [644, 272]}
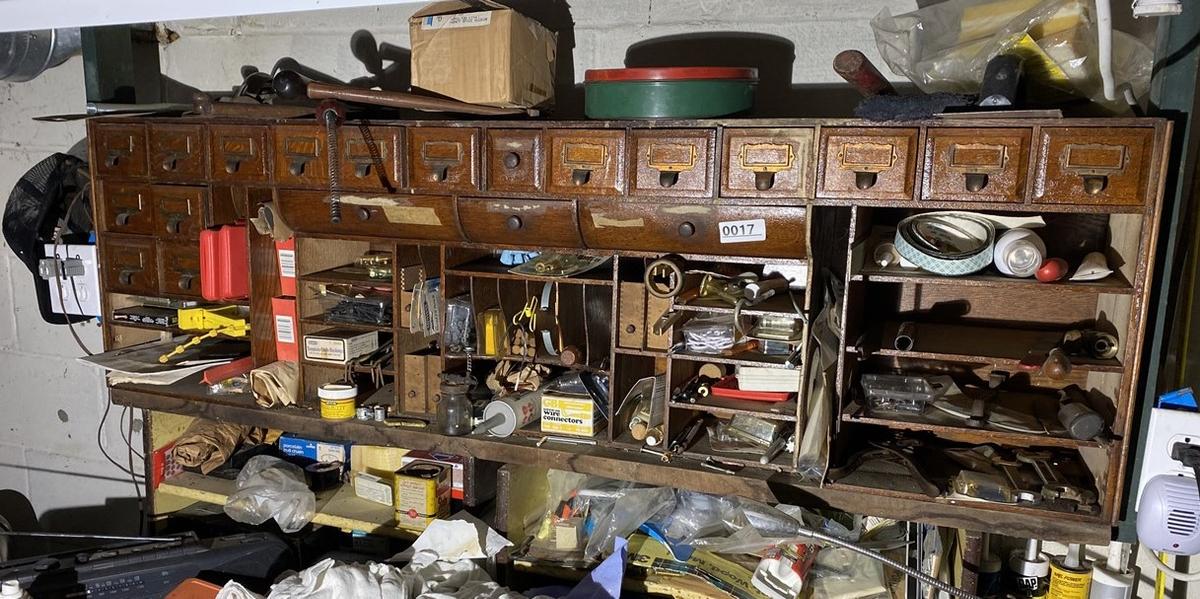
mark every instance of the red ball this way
{"type": "Point", "coordinates": [1052, 270]}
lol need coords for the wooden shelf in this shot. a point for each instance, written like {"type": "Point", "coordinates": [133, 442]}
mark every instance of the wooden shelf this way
{"type": "Point", "coordinates": [703, 449]}
{"type": "Point", "coordinates": [1114, 283]}
{"type": "Point", "coordinates": [349, 275]}
{"type": "Point", "coordinates": [774, 306]}
{"type": "Point", "coordinates": [339, 507]}
{"type": "Point", "coordinates": [754, 483]}
{"type": "Point", "coordinates": [543, 360]}
{"type": "Point", "coordinates": [356, 369]}
{"type": "Point", "coordinates": [648, 353]}
{"type": "Point", "coordinates": [783, 410]}
{"type": "Point", "coordinates": [318, 321]}
{"type": "Point", "coordinates": [488, 268]}
{"type": "Point", "coordinates": [1002, 347]}
{"type": "Point", "coordinates": [951, 429]}
{"type": "Point", "coordinates": [742, 359]}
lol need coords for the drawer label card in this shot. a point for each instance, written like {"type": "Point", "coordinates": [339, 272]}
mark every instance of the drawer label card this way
{"type": "Point", "coordinates": [287, 263]}
{"type": "Point", "coordinates": [743, 231]}
{"type": "Point", "coordinates": [285, 329]}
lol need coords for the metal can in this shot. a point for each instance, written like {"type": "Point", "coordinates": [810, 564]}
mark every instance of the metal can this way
{"type": "Point", "coordinates": [380, 412]}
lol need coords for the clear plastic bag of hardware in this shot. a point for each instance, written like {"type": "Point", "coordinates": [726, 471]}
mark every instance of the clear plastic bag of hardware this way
{"type": "Point", "coordinates": [709, 334]}
{"type": "Point", "coordinates": [631, 507]}
{"type": "Point", "coordinates": [268, 487]}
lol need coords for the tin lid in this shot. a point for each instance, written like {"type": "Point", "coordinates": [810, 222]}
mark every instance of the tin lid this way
{"type": "Point", "coordinates": [671, 74]}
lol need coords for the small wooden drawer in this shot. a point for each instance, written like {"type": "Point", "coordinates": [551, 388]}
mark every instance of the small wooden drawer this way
{"type": "Point", "coordinates": [120, 150]}
{"type": "Point", "coordinates": [867, 163]}
{"type": "Point", "coordinates": [519, 222]}
{"type": "Point", "coordinates": [443, 159]}
{"type": "Point", "coordinates": [126, 208]}
{"type": "Point", "coordinates": [178, 153]}
{"type": "Point", "coordinates": [180, 271]}
{"type": "Point", "coordinates": [179, 211]}
{"type": "Point", "coordinates": [631, 316]}
{"type": "Point", "coordinates": [1093, 165]}
{"type": "Point", "coordinates": [767, 163]}
{"type": "Point", "coordinates": [300, 156]}
{"type": "Point", "coordinates": [402, 216]}
{"type": "Point", "coordinates": [371, 162]}
{"type": "Point", "coordinates": [586, 162]}
{"type": "Point", "coordinates": [238, 153]}
{"type": "Point", "coordinates": [130, 264]}
{"type": "Point", "coordinates": [514, 160]}
{"type": "Point", "coordinates": [975, 165]}
{"type": "Point", "coordinates": [667, 162]}
{"type": "Point", "coordinates": [612, 224]}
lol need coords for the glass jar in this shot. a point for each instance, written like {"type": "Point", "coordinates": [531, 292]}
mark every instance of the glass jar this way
{"type": "Point", "coordinates": [454, 405]}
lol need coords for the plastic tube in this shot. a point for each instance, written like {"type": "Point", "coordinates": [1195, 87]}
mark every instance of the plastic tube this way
{"type": "Point", "coordinates": [1167, 571]}
{"type": "Point", "coordinates": [1104, 31]}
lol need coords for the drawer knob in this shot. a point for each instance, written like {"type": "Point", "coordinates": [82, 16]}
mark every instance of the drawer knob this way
{"type": "Point", "coordinates": [512, 160]}
{"type": "Point", "coordinates": [173, 222]}
{"type": "Point", "coordinates": [112, 159]}
{"type": "Point", "coordinates": [412, 392]}
{"type": "Point", "coordinates": [514, 223]}
{"type": "Point", "coordinates": [362, 169]}
{"type": "Point", "coordinates": [865, 180]}
{"type": "Point", "coordinates": [126, 275]}
{"type": "Point", "coordinates": [364, 214]}
{"type": "Point", "coordinates": [185, 281]}
{"type": "Point", "coordinates": [124, 216]}
{"type": "Point", "coordinates": [170, 162]}
{"type": "Point", "coordinates": [580, 176]}
{"type": "Point", "coordinates": [687, 229]}
{"type": "Point", "coordinates": [440, 174]}
{"type": "Point", "coordinates": [232, 164]}
{"type": "Point", "coordinates": [764, 180]}
{"type": "Point", "coordinates": [629, 328]}
{"type": "Point", "coordinates": [976, 181]}
{"type": "Point", "coordinates": [668, 178]}
{"type": "Point", "coordinates": [1094, 184]}
{"type": "Point", "coordinates": [296, 166]}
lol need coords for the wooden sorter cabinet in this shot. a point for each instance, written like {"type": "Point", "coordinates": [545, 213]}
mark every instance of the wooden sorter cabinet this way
{"type": "Point", "coordinates": [807, 197]}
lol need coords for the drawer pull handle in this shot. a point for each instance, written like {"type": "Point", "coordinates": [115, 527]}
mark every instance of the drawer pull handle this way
{"type": "Point", "coordinates": [112, 159]}
{"type": "Point", "coordinates": [232, 164]}
{"type": "Point", "coordinates": [514, 223]}
{"type": "Point", "coordinates": [629, 328]}
{"type": "Point", "coordinates": [512, 160]}
{"type": "Point", "coordinates": [185, 280]}
{"type": "Point", "coordinates": [440, 174]}
{"type": "Point", "coordinates": [126, 276]}
{"type": "Point", "coordinates": [580, 176]}
{"type": "Point", "coordinates": [362, 169]}
{"type": "Point", "coordinates": [865, 180]}
{"type": "Point", "coordinates": [1094, 184]}
{"type": "Point", "coordinates": [668, 178]}
{"type": "Point", "coordinates": [124, 216]}
{"type": "Point", "coordinates": [764, 180]}
{"type": "Point", "coordinates": [170, 162]}
{"type": "Point", "coordinates": [173, 222]}
{"type": "Point", "coordinates": [296, 166]}
{"type": "Point", "coordinates": [364, 214]}
{"type": "Point", "coordinates": [412, 392]}
{"type": "Point", "coordinates": [976, 181]}
{"type": "Point", "coordinates": [687, 229]}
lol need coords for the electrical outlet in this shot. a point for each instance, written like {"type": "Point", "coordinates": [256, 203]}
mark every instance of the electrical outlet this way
{"type": "Point", "coordinates": [1168, 427]}
{"type": "Point", "coordinates": [81, 292]}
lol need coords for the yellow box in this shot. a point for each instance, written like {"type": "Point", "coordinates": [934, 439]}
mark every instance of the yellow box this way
{"type": "Point", "coordinates": [378, 460]}
{"type": "Point", "coordinates": [564, 414]}
{"type": "Point", "coordinates": [422, 491]}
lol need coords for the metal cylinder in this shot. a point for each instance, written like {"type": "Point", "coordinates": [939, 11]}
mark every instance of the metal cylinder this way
{"type": "Point", "coordinates": [26, 54]}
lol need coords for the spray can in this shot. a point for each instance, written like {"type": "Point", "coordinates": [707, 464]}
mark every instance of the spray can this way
{"type": "Point", "coordinates": [1030, 571]}
{"type": "Point", "coordinates": [1070, 577]}
{"type": "Point", "coordinates": [1112, 579]}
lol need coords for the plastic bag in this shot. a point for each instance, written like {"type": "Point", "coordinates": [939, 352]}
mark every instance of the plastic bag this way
{"type": "Point", "coordinates": [621, 516]}
{"type": "Point", "coordinates": [945, 47]}
{"type": "Point", "coordinates": [839, 572]}
{"type": "Point", "coordinates": [268, 487]}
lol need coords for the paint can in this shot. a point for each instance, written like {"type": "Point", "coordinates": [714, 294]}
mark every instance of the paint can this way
{"type": "Point", "coordinates": [422, 494]}
{"type": "Point", "coordinates": [1068, 582]}
{"type": "Point", "coordinates": [337, 400]}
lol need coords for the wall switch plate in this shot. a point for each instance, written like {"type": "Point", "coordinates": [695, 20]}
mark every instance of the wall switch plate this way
{"type": "Point", "coordinates": [84, 298]}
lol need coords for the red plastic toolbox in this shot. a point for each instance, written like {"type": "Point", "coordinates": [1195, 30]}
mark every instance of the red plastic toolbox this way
{"type": "Point", "coordinates": [224, 263]}
{"type": "Point", "coordinates": [727, 388]}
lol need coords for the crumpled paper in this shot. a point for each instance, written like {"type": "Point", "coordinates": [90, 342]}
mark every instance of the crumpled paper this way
{"type": "Point", "coordinates": [461, 537]}
{"type": "Point", "coordinates": [276, 384]}
{"type": "Point", "coordinates": [207, 444]}
{"type": "Point", "coordinates": [331, 579]}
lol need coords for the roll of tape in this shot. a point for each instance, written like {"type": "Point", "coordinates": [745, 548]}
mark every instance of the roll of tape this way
{"type": "Point", "coordinates": [322, 476]}
{"type": "Point", "coordinates": [946, 243]}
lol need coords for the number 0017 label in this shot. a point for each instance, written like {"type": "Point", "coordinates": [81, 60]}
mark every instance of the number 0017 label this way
{"type": "Point", "coordinates": [741, 231]}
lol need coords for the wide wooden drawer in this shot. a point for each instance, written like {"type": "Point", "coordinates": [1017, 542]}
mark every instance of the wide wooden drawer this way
{"type": "Point", "coordinates": [371, 162]}
{"type": "Point", "coordinates": [672, 162]}
{"type": "Point", "coordinates": [870, 163]}
{"type": "Point", "coordinates": [126, 208]}
{"type": "Point", "coordinates": [767, 163]}
{"type": "Point", "coordinates": [520, 222]}
{"type": "Point", "coordinates": [130, 264]}
{"type": "Point", "coordinates": [120, 150]}
{"type": "Point", "coordinates": [180, 268]}
{"type": "Point", "coordinates": [514, 160]}
{"type": "Point", "coordinates": [700, 229]}
{"type": "Point", "coordinates": [443, 159]}
{"type": "Point", "coordinates": [179, 211]}
{"type": "Point", "coordinates": [1093, 165]}
{"type": "Point", "coordinates": [401, 216]}
{"type": "Point", "coordinates": [178, 153]}
{"type": "Point", "coordinates": [586, 161]}
{"type": "Point", "coordinates": [976, 165]}
{"type": "Point", "coordinates": [238, 153]}
{"type": "Point", "coordinates": [301, 156]}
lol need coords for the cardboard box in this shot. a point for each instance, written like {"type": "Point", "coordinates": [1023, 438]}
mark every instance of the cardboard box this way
{"type": "Point", "coordinates": [373, 488]}
{"type": "Point", "coordinates": [311, 449]}
{"type": "Point", "coordinates": [482, 52]}
{"type": "Point", "coordinates": [422, 492]}
{"type": "Point", "coordinates": [339, 346]}
{"type": "Point", "coordinates": [566, 414]}
{"type": "Point", "coordinates": [377, 460]}
{"type": "Point", "coordinates": [456, 463]}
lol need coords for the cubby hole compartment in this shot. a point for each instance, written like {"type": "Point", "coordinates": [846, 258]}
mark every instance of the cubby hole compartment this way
{"type": "Point", "coordinates": [475, 263]}
{"type": "Point", "coordinates": [360, 306]}
{"type": "Point", "coordinates": [683, 371]}
{"type": "Point", "coordinates": [329, 260]}
{"type": "Point", "coordinates": [702, 447]}
{"type": "Point", "coordinates": [1083, 468]}
{"type": "Point", "coordinates": [316, 374]}
{"type": "Point", "coordinates": [627, 371]}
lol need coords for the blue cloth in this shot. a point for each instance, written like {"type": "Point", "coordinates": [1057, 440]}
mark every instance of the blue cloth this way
{"type": "Point", "coordinates": [603, 582]}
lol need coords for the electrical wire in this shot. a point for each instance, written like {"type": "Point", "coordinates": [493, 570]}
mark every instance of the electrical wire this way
{"type": "Point", "coordinates": [137, 487]}
{"type": "Point", "coordinates": [100, 444]}
{"type": "Point", "coordinates": [1165, 570]}
{"type": "Point", "coordinates": [62, 301]}
{"type": "Point", "coordinates": [127, 435]}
